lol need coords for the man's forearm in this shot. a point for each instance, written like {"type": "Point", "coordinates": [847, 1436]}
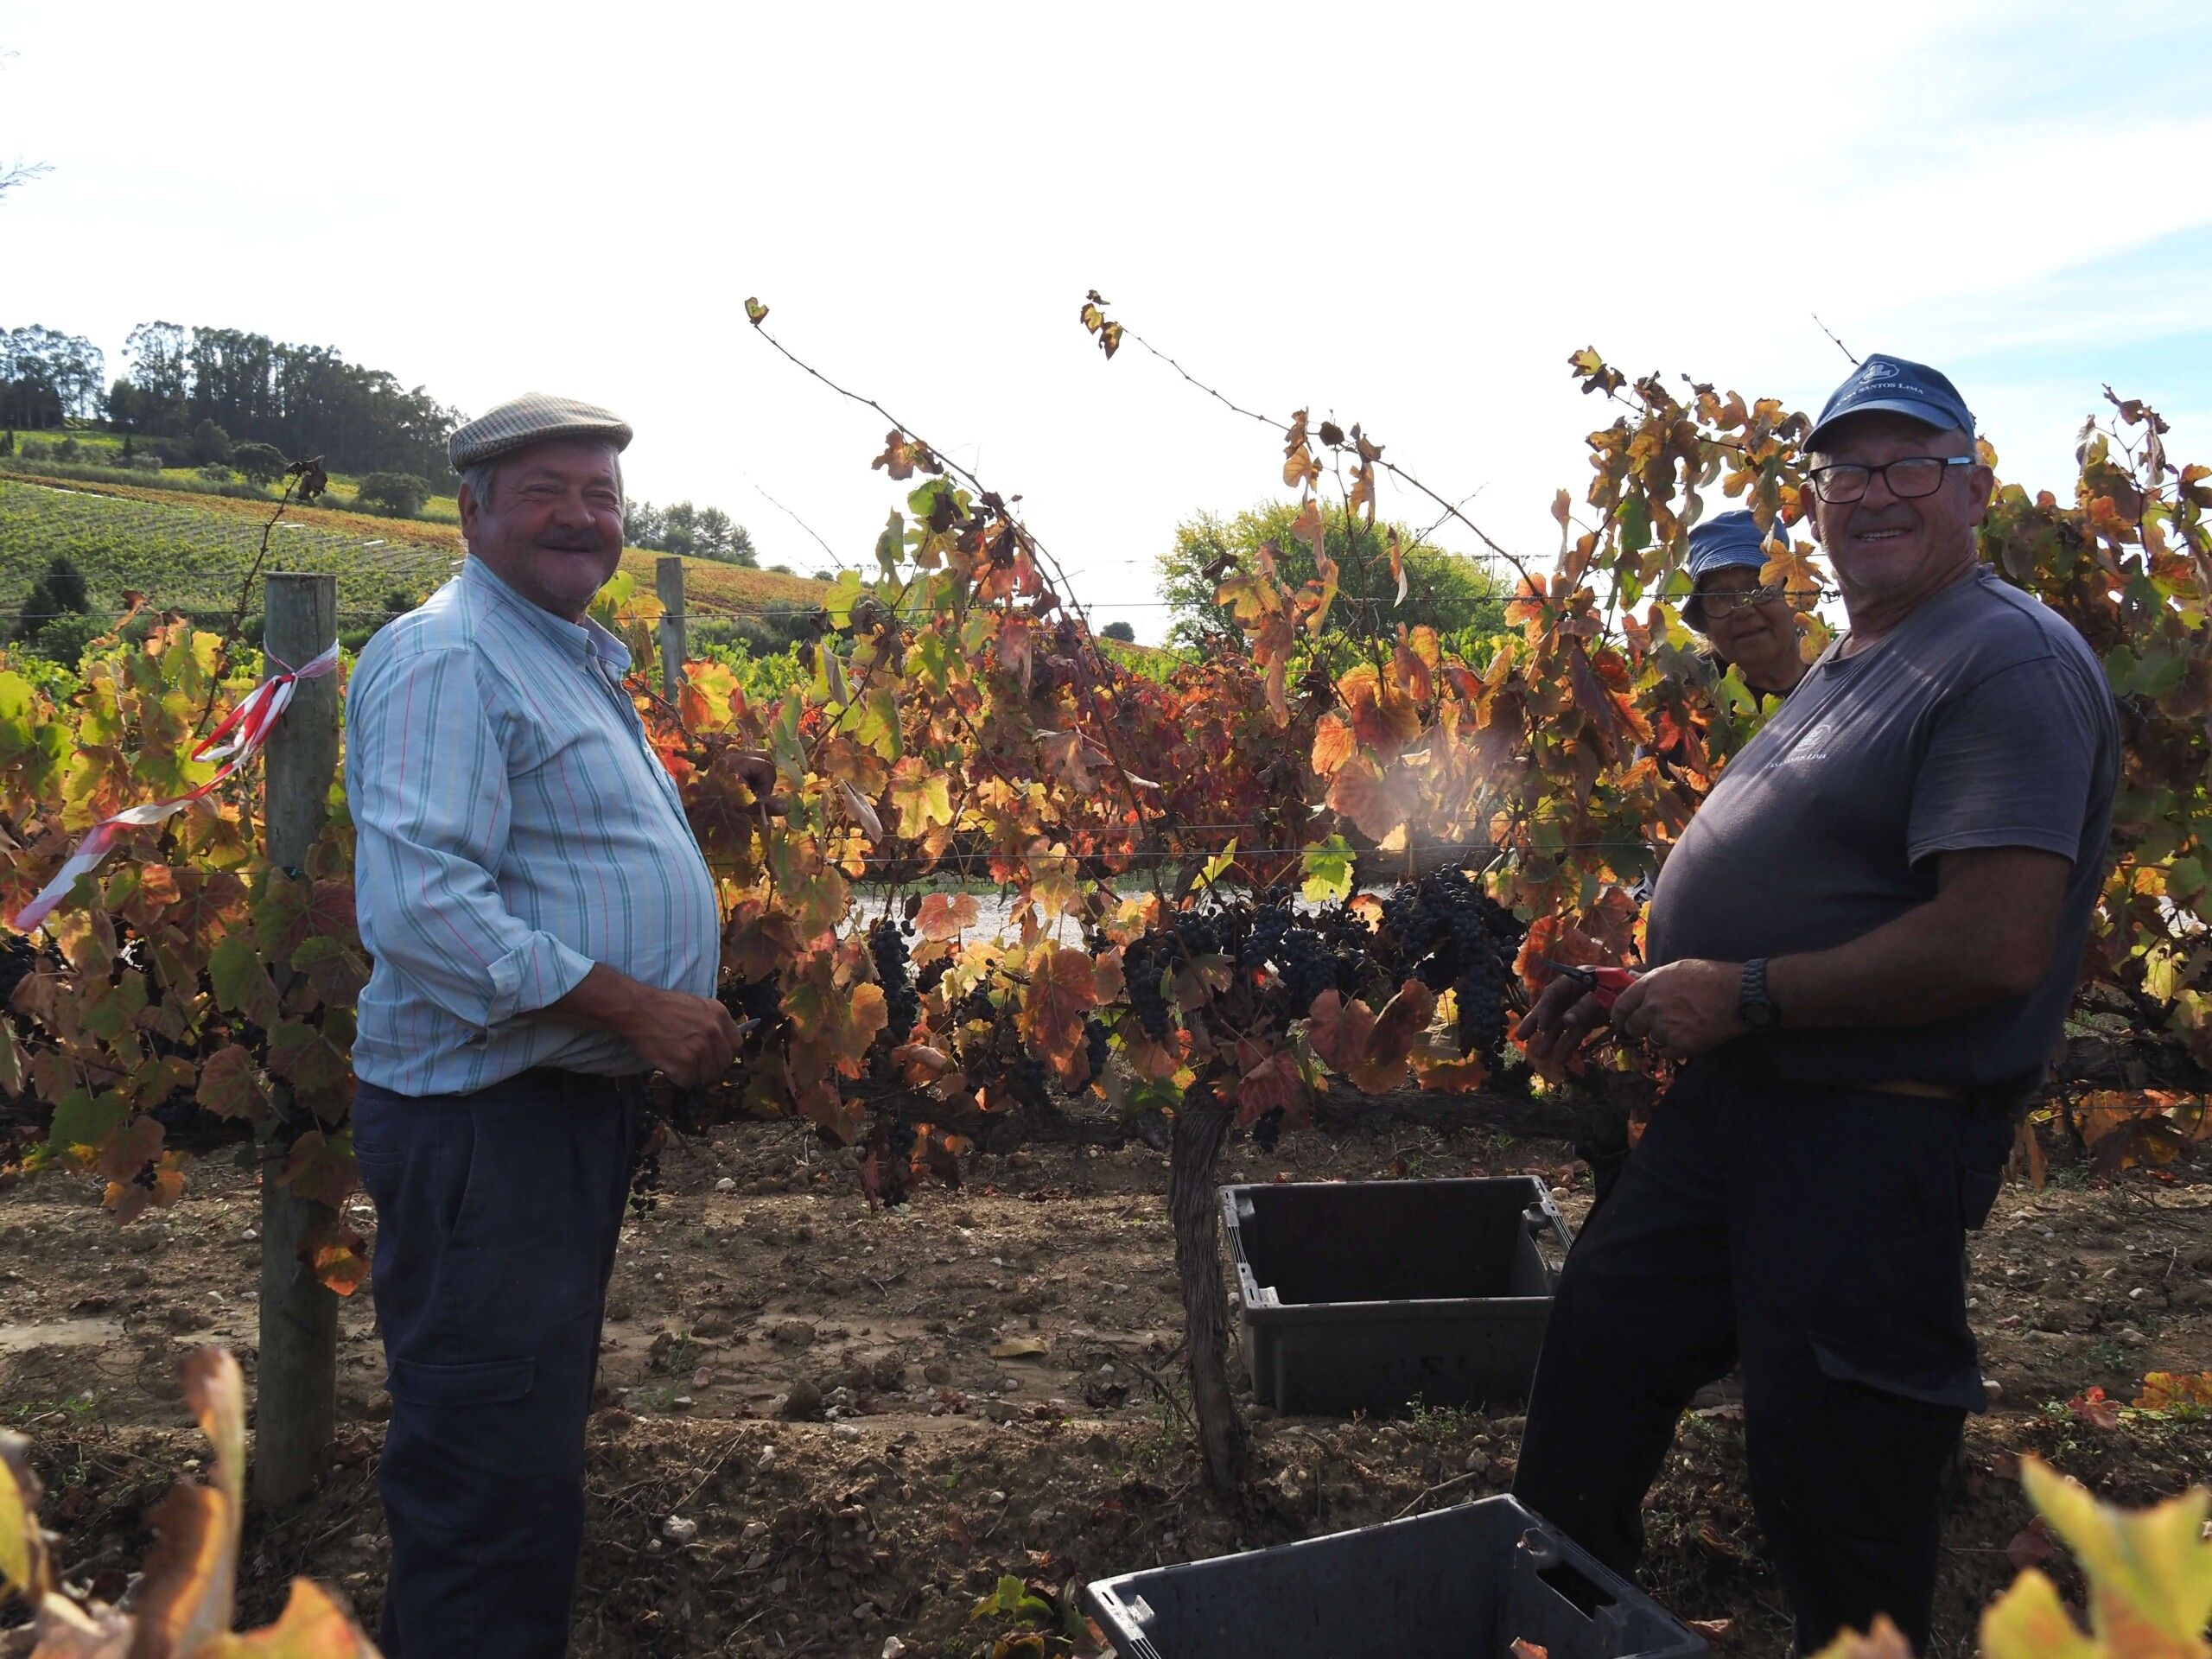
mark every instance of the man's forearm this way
{"type": "Point", "coordinates": [604, 1000]}
{"type": "Point", "coordinates": [690, 1038]}
{"type": "Point", "coordinates": [1987, 934]}
{"type": "Point", "coordinates": [1913, 971]}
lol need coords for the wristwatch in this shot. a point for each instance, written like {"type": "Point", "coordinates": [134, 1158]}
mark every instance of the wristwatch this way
{"type": "Point", "coordinates": [1752, 1003]}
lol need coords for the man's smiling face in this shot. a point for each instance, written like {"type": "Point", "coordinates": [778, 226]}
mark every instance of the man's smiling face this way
{"type": "Point", "coordinates": [552, 529]}
{"type": "Point", "coordinates": [1886, 550]}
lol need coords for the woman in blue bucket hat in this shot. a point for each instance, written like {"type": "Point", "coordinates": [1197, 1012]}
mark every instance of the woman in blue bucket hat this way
{"type": "Point", "coordinates": [1750, 625]}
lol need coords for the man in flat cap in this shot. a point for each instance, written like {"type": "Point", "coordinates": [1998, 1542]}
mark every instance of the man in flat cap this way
{"type": "Point", "coordinates": [544, 931]}
{"type": "Point", "coordinates": [1864, 946]}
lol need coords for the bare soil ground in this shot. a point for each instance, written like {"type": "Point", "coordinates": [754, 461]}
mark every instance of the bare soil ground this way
{"type": "Point", "coordinates": [987, 1382]}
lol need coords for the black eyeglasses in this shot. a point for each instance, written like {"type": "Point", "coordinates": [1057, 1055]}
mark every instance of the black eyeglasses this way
{"type": "Point", "coordinates": [1726, 600]}
{"type": "Point", "coordinates": [1908, 479]}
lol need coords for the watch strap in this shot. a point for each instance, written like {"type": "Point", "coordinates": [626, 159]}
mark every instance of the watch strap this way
{"type": "Point", "coordinates": [1753, 1000]}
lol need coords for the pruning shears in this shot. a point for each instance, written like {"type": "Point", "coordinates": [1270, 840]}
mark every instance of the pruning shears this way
{"type": "Point", "coordinates": [1603, 983]}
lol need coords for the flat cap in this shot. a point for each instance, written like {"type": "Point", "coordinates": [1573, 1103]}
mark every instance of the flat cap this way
{"type": "Point", "coordinates": [534, 417]}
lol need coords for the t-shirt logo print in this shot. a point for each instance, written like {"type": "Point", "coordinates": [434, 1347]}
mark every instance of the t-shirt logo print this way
{"type": "Point", "coordinates": [1812, 746]}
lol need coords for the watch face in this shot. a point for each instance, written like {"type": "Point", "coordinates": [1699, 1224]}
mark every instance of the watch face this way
{"type": "Point", "coordinates": [1759, 1016]}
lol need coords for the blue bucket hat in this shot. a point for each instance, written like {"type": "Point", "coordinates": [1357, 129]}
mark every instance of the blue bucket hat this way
{"type": "Point", "coordinates": [1725, 541]}
{"type": "Point", "coordinates": [1897, 387]}
{"type": "Point", "coordinates": [1731, 538]}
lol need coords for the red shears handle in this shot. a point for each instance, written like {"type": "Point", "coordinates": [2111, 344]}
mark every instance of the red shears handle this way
{"type": "Point", "coordinates": [1603, 983]}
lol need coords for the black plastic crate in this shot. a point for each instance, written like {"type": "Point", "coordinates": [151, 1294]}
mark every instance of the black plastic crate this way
{"type": "Point", "coordinates": [1371, 1295]}
{"type": "Point", "coordinates": [1461, 1583]}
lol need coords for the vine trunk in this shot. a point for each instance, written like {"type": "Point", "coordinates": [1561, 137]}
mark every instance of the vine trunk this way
{"type": "Point", "coordinates": [1200, 1128]}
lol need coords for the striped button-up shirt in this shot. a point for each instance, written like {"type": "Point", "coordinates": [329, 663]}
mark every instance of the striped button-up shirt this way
{"type": "Point", "coordinates": [512, 827]}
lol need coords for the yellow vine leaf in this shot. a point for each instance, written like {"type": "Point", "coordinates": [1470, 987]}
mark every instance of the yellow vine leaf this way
{"type": "Point", "coordinates": [23, 1565]}
{"type": "Point", "coordinates": [1884, 1641]}
{"type": "Point", "coordinates": [2164, 1391]}
{"type": "Point", "coordinates": [2150, 1573]}
{"type": "Point", "coordinates": [1791, 567]}
{"type": "Point", "coordinates": [312, 1626]}
{"type": "Point", "coordinates": [2030, 1622]}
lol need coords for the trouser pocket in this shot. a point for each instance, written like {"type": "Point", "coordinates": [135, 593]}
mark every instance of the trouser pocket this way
{"type": "Point", "coordinates": [1985, 1143]}
{"type": "Point", "coordinates": [488, 1382]}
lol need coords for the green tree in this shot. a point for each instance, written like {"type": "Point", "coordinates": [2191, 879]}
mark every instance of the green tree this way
{"type": "Point", "coordinates": [1446, 591]}
{"type": "Point", "coordinates": [722, 538]}
{"type": "Point", "coordinates": [63, 639]}
{"type": "Point", "coordinates": [210, 443]}
{"type": "Point", "coordinates": [679, 528]}
{"type": "Point", "coordinates": [1120, 631]}
{"type": "Point", "coordinates": [399, 493]}
{"type": "Point", "coordinates": [60, 592]}
{"type": "Point", "coordinates": [258, 463]}
{"type": "Point", "coordinates": [123, 405]}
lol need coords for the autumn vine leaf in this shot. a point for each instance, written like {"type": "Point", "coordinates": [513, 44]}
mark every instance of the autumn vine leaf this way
{"type": "Point", "coordinates": [1791, 566]}
{"type": "Point", "coordinates": [2150, 1574]}
{"type": "Point", "coordinates": [1094, 318]}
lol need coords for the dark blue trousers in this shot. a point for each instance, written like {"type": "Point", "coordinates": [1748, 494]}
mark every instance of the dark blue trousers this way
{"type": "Point", "coordinates": [1815, 1239]}
{"type": "Point", "coordinates": [497, 1217]}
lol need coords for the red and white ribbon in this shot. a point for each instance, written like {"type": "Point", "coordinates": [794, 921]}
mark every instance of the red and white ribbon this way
{"type": "Point", "coordinates": [233, 743]}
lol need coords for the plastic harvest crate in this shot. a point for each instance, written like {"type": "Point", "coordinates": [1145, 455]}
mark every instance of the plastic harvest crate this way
{"type": "Point", "coordinates": [1460, 1583]}
{"type": "Point", "coordinates": [1368, 1295]}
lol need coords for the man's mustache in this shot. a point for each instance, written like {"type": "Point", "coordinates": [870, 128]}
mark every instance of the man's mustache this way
{"type": "Point", "coordinates": [1893, 518]}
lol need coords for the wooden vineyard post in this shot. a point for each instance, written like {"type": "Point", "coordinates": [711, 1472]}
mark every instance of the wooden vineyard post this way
{"type": "Point", "coordinates": [668, 581]}
{"type": "Point", "coordinates": [296, 1389]}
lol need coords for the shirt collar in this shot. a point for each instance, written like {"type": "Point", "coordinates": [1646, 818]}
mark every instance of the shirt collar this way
{"type": "Point", "coordinates": [586, 638]}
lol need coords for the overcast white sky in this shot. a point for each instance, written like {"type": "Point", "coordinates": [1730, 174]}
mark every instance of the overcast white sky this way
{"type": "Point", "coordinates": [1402, 215]}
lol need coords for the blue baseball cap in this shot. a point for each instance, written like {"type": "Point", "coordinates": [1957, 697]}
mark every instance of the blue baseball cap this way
{"type": "Point", "coordinates": [1730, 538]}
{"type": "Point", "coordinates": [1895, 386]}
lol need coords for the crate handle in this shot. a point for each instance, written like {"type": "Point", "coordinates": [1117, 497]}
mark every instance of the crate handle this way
{"type": "Point", "coordinates": [1542, 1214]}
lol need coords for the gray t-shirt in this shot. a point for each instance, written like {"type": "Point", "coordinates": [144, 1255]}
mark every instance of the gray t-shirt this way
{"type": "Point", "coordinates": [1982, 720]}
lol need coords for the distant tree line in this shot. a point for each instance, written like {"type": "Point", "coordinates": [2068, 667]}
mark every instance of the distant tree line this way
{"type": "Point", "coordinates": [696, 532]}
{"type": "Point", "coordinates": [301, 400]}
{"type": "Point", "coordinates": [45, 375]}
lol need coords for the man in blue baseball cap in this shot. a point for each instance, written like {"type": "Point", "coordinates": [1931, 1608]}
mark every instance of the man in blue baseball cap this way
{"type": "Point", "coordinates": [1750, 625]}
{"type": "Point", "coordinates": [1862, 948]}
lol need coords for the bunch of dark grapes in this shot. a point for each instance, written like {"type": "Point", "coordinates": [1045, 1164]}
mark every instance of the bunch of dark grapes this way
{"type": "Point", "coordinates": [753, 998]}
{"type": "Point", "coordinates": [18, 957]}
{"type": "Point", "coordinates": [1095, 1043]}
{"type": "Point", "coordinates": [1188, 935]}
{"type": "Point", "coordinates": [1025, 1081]}
{"type": "Point", "coordinates": [1142, 963]}
{"type": "Point", "coordinates": [932, 973]}
{"type": "Point", "coordinates": [1411, 923]}
{"type": "Point", "coordinates": [1196, 933]}
{"type": "Point", "coordinates": [1450, 932]}
{"type": "Point", "coordinates": [1269, 926]}
{"type": "Point", "coordinates": [1481, 995]}
{"type": "Point", "coordinates": [1308, 968]}
{"type": "Point", "coordinates": [901, 1000]}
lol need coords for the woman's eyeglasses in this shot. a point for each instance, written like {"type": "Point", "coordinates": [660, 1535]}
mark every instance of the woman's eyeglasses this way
{"type": "Point", "coordinates": [1727, 599]}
